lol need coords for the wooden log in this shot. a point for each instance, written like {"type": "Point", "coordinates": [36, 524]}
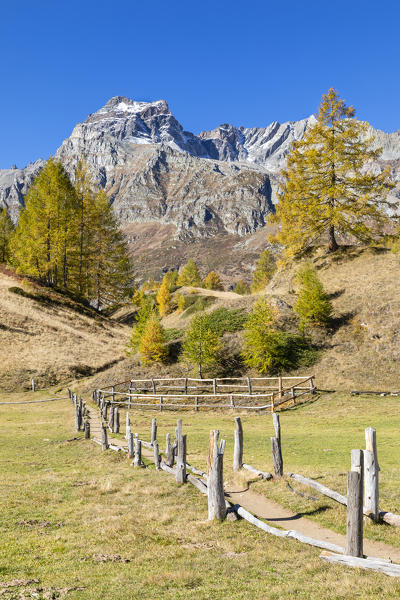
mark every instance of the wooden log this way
{"type": "Point", "coordinates": [216, 498]}
{"type": "Point", "coordinates": [169, 451]}
{"type": "Point", "coordinates": [104, 438]}
{"type": "Point", "coordinates": [263, 474]}
{"type": "Point", "coordinates": [238, 445]}
{"type": "Point", "coordinates": [181, 460]}
{"type": "Point", "coordinates": [371, 564]}
{"type": "Point", "coordinates": [242, 512]}
{"type": "Point", "coordinates": [167, 468]}
{"type": "Point", "coordinates": [322, 489]}
{"type": "Point", "coordinates": [87, 429]}
{"type": "Point", "coordinates": [156, 455]}
{"type": "Point", "coordinates": [198, 483]}
{"type": "Point", "coordinates": [137, 451]}
{"type": "Point", "coordinates": [148, 445]}
{"type": "Point", "coordinates": [354, 537]}
{"type": "Point", "coordinates": [130, 446]}
{"type": "Point", "coordinates": [277, 457]}
{"type": "Point", "coordinates": [116, 420]}
{"type": "Point", "coordinates": [153, 436]}
{"type": "Point", "coordinates": [195, 471]}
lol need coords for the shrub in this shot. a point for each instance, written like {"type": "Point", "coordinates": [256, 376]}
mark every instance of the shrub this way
{"type": "Point", "coordinates": [223, 320]}
{"type": "Point", "coordinates": [180, 300]}
{"type": "Point", "coordinates": [241, 288]}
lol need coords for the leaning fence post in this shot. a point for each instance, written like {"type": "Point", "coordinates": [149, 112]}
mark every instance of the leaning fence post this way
{"type": "Point", "coordinates": [354, 537]}
{"type": "Point", "coordinates": [87, 429]}
{"type": "Point", "coordinates": [215, 483]}
{"type": "Point", "coordinates": [238, 447]}
{"type": "Point", "coordinates": [371, 474]}
{"type": "Point", "coordinates": [276, 447]}
{"type": "Point", "coordinates": [153, 437]}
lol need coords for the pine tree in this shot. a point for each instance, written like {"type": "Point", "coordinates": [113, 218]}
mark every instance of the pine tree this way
{"type": "Point", "coordinates": [241, 288]}
{"type": "Point", "coordinates": [44, 237]}
{"type": "Point", "coordinates": [147, 309]}
{"type": "Point", "coordinates": [152, 343]}
{"type": "Point", "coordinates": [108, 272]}
{"type": "Point", "coordinates": [6, 231]}
{"type": "Point", "coordinates": [313, 305]}
{"type": "Point", "coordinates": [201, 345]}
{"type": "Point", "coordinates": [327, 189]}
{"type": "Point", "coordinates": [180, 300]}
{"type": "Point", "coordinates": [189, 275]}
{"type": "Point", "coordinates": [164, 298]}
{"type": "Point", "coordinates": [265, 348]}
{"type": "Point", "coordinates": [171, 278]}
{"type": "Point", "coordinates": [265, 268]}
{"type": "Point", "coordinates": [212, 281]}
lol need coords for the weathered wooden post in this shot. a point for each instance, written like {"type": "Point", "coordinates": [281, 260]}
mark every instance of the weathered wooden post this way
{"type": "Point", "coordinates": [280, 388]}
{"type": "Point", "coordinates": [116, 420]}
{"type": "Point", "coordinates": [354, 538]}
{"type": "Point", "coordinates": [112, 394]}
{"type": "Point", "coordinates": [130, 445]}
{"type": "Point", "coordinates": [196, 404]}
{"type": "Point", "coordinates": [127, 426]}
{"type": "Point", "coordinates": [104, 438]}
{"type": "Point", "coordinates": [153, 436]}
{"type": "Point", "coordinates": [169, 451]}
{"type": "Point", "coordinates": [156, 455]}
{"type": "Point", "coordinates": [249, 386]}
{"type": "Point", "coordinates": [371, 474]}
{"type": "Point", "coordinates": [69, 393]}
{"type": "Point", "coordinates": [137, 457]}
{"type": "Point", "coordinates": [181, 459]}
{"type": "Point", "coordinates": [214, 386]}
{"type": "Point", "coordinates": [161, 403]}
{"type": "Point", "coordinates": [87, 429]}
{"type": "Point", "coordinates": [272, 402]}
{"type": "Point", "coordinates": [232, 403]}
{"type": "Point", "coordinates": [111, 419]}
{"type": "Point", "coordinates": [238, 447]}
{"type": "Point", "coordinates": [33, 385]}
{"type": "Point", "coordinates": [215, 483]}
{"type": "Point", "coordinates": [185, 386]}
{"type": "Point", "coordinates": [77, 417]}
{"type": "Point", "coordinates": [276, 447]}
{"type": "Point", "coordinates": [154, 385]}
{"type": "Point", "coordinates": [105, 411]}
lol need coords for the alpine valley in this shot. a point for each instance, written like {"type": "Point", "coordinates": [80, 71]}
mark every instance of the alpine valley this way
{"type": "Point", "coordinates": [180, 195]}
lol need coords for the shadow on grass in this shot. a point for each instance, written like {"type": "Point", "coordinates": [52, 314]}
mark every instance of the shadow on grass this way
{"type": "Point", "coordinates": [299, 515]}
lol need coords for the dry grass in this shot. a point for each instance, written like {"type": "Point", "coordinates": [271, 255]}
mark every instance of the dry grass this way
{"type": "Point", "coordinates": [54, 340]}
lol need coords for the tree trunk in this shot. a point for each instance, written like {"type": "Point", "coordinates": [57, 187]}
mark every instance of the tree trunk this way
{"type": "Point", "coordinates": [333, 245]}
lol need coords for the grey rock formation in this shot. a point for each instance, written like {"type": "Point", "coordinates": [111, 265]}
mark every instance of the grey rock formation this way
{"type": "Point", "coordinates": [222, 180]}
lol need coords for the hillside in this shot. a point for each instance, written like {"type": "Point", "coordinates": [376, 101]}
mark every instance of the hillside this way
{"type": "Point", "coordinates": [49, 337]}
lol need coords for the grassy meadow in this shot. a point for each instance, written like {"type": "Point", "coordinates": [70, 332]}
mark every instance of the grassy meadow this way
{"type": "Point", "coordinates": [77, 522]}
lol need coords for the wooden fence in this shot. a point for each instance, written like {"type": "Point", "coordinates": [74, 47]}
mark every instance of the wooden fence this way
{"type": "Point", "coordinates": [243, 393]}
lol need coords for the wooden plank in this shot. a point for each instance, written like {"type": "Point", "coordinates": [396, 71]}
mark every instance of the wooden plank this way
{"type": "Point", "coordinates": [370, 564]}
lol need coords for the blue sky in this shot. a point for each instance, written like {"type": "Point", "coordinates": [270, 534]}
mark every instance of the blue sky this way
{"type": "Point", "coordinates": [246, 63]}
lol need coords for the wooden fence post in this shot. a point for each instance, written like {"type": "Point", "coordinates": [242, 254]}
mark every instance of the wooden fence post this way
{"type": "Point", "coordinates": [312, 388]}
{"type": "Point", "coordinates": [161, 403]}
{"type": "Point", "coordinates": [106, 405]}
{"type": "Point", "coordinates": [277, 426]}
{"type": "Point", "coordinates": [185, 386]}
{"type": "Point", "coordinates": [154, 385]}
{"type": "Point", "coordinates": [273, 402]}
{"type": "Point", "coordinates": [169, 451]}
{"type": "Point", "coordinates": [113, 394]}
{"type": "Point", "coordinates": [249, 386]}
{"type": "Point", "coordinates": [371, 474]}
{"type": "Point", "coordinates": [137, 458]}
{"type": "Point", "coordinates": [181, 459]}
{"type": "Point", "coordinates": [111, 420]}
{"type": "Point", "coordinates": [127, 426]}
{"type": "Point", "coordinates": [104, 437]}
{"type": "Point", "coordinates": [280, 388]}
{"type": "Point", "coordinates": [116, 420]}
{"type": "Point", "coordinates": [33, 385]}
{"type": "Point", "coordinates": [238, 447]}
{"type": "Point", "coordinates": [276, 447]}
{"type": "Point", "coordinates": [77, 417]}
{"type": "Point", "coordinates": [153, 437]}
{"type": "Point", "coordinates": [196, 404]}
{"type": "Point", "coordinates": [232, 403]}
{"type": "Point", "coordinates": [215, 483]}
{"type": "Point", "coordinates": [156, 455]}
{"type": "Point", "coordinates": [87, 429]}
{"type": "Point", "coordinates": [214, 386]}
{"type": "Point", "coordinates": [354, 538]}
{"type": "Point", "coordinates": [130, 445]}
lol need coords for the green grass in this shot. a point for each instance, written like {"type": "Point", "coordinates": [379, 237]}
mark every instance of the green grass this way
{"type": "Point", "coordinates": [63, 503]}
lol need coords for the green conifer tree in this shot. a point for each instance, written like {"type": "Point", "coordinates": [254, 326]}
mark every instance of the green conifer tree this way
{"type": "Point", "coordinates": [265, 268]}
{"type": "Point", "coordinates": [241, 288]}
{"type": "Point", "coordinates": [6, 231]}
{"type": "Point", "coordinates": [327, 188]}
{"type": "Point", "coordinates": [164, 298]}
{"type": "Point", "coordinates": [201, 345]}
{"type": "Point", "coordinates": [147, 309]}
{"type": "Point", "coordinates": [313, 305]}
{"type": "Point", "coordinates": [189, 275]}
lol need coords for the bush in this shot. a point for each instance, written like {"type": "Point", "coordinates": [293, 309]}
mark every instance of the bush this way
{"type": "Point", "coordinates": [241, 288]}
{"type": "Point", "coordinates": [198, 303]}
{"type": "Point", "coordinates": [223, 320]}
{"type": "Point", "coordinates": [265, 268]}
{"type": "Point", "coordinates": [313, 305]}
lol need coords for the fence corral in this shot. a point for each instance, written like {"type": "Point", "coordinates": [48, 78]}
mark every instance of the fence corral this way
{"type": "Point", "coordinates": [240, 393]}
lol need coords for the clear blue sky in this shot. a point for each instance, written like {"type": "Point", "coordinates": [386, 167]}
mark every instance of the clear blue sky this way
{"type": "Point", "coordinates": [247, 63]}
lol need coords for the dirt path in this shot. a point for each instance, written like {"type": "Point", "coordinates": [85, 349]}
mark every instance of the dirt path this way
{"type": "Point", "coordinates": [270, 511]}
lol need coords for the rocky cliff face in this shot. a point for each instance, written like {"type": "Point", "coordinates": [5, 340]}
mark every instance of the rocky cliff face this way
{"type": "Point", "coordinates": [220, 181]}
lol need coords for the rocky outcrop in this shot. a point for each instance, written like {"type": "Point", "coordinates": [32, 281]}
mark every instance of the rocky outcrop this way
{"type": "Point", "coordinates": [222, 180]}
